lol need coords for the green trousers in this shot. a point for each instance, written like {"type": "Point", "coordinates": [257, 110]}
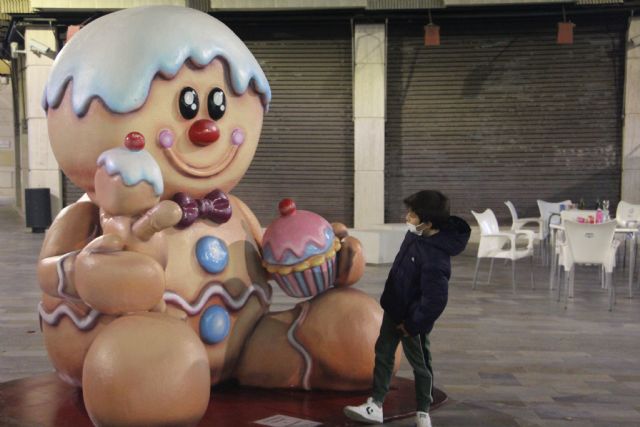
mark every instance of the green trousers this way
{"type": "Point", "coordinates": [416, 350]}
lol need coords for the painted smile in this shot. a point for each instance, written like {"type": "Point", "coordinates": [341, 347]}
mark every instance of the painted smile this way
{"type": "Point", "coordinates": [187, 168]}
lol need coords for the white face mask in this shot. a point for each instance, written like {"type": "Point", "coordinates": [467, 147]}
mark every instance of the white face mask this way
{"type": "Point", "coordinates": [414, 229]}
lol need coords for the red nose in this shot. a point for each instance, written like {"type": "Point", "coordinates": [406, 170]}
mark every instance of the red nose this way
{"type": "Point", "coordinates": [204, 132]}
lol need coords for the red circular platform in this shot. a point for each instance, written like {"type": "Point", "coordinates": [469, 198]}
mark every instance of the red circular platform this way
{"type": "Point", "coordinates": [46, 401]}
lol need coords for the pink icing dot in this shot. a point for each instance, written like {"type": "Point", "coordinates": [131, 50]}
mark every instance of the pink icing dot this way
{"type": "Point", "coordinates": [166, 138]}
{"type": "Point", "coordinates": [237, 137]}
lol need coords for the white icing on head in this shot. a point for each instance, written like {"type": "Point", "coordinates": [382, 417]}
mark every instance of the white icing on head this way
{"type": "Point", "coordinates": [133, 166]}
{"type": "Point", "coordinates": [116, 57]}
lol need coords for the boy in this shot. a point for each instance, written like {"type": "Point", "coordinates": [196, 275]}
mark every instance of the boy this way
{"type": "Point", "coordinates": [414, 296]}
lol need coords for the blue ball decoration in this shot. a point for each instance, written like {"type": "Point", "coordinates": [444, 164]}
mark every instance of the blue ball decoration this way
{"type": "Point", "coordinates": [214, 324]}
{"type": "Point", "coordinates": [212, 254]}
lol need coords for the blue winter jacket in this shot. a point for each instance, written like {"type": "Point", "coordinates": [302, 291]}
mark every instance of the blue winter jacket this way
{"type": "Point", "coordinates": [417, 288]}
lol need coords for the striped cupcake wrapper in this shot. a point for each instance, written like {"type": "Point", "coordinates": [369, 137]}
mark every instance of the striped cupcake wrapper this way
{"type": "Point", "coordinates": [310, 282]}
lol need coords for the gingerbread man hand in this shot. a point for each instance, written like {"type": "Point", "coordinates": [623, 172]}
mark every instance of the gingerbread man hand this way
{"type": "Point", "coordinates": [350, 257]}
{"type": "Point", "coordinates": [165, 214]}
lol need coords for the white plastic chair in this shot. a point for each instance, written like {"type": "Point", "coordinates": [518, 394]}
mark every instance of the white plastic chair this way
{"type": "Point", "coordinates": [627, 216]}
{"type": "Point", "coordinates": [548, 214]}
{"type": "Point", "coordinates": [560, 242]}
{"type": "Point", "coordinates": [589, 244]}
{"type": "Point", "coordinates": [496, 244]}
{"type": "Point", "coordinates": [519, 223]}
{"type": "Point", "coordinates": [627, 213]}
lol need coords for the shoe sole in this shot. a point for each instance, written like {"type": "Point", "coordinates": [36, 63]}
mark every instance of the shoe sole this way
{"type": "Point", "coordinates": [355, 416]}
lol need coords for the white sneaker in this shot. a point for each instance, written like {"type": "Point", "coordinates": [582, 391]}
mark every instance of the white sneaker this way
{"type": "Point", "coordinates": [368, 412]}
{"type": "Point", "coordinates": [423, 419]}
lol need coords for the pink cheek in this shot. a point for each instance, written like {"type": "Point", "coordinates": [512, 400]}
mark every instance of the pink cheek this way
{"type": "Point", "coordinates": [237, 137]}
{"type": "Point", "coordinates": [166, 138]}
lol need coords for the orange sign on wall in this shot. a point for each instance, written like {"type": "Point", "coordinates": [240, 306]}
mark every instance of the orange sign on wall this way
{"type": "Point", "coordinates": [432, 35]}
{"type": "Point", "coordinates": [565, 32]}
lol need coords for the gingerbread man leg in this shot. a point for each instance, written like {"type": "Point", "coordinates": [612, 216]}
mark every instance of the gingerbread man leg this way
{"type": "Point", "coordinates": [323, 343]}
{"type": "Point", "coordinates": [146, 369]}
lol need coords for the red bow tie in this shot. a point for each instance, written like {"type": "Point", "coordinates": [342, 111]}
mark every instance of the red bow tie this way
{"type": "Point", "coordinates": [214, 206]}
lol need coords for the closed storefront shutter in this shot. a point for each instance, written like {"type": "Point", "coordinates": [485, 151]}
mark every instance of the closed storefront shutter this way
{"type": "Point", "coordinates": [70, 192]}
{"type": "Point", "coordinates": [499, 111]}
{"type": "Point", "coordinates": [306, 147]}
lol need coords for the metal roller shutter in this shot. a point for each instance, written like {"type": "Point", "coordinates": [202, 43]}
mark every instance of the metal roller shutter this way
{"type": "Point", "coordinates": [501, 112]}
{"type": "Point", "coordinates": [306, 146]}
{"type": "Point", "coordinates": [70, 192]}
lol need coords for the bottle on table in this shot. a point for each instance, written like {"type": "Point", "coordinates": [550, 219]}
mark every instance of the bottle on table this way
{"type": "Point", "coordinates": [581, 204]}
{"type": "Point", "coordinates": [599, 216]}
{"type": "Point", "coordinates": [605, 209]}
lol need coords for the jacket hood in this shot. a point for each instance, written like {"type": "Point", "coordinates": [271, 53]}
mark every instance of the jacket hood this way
{"type": "Point", "coordinates": [452, 238]}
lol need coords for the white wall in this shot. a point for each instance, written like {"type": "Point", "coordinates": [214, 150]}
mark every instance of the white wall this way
{"type": "Point", "coordinates": [631, 130]}
{"type": "Point", "coordinates": [38, 165]}
{"type": "Point", "coordinates": [7, 143]}
{"type": "Point", "coordinates": [369, 113]}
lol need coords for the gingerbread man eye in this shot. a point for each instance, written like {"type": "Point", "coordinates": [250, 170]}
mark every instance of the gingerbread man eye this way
{"type": "Point", "coordinates": [217, 103]}
{"type": "Point", "coordinates": [188, 103]}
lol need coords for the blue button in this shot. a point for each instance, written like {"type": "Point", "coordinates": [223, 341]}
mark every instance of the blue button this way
{"type": "Point", "coordinates": [212, 254]}
{"type": "Point", "coordinates": [214, 324]}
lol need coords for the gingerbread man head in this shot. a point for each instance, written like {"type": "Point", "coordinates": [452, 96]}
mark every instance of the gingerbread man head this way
{"type": "Point", "coordinates": [177, 78]}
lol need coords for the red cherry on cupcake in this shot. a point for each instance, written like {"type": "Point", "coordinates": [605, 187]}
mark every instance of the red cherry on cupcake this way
{"type": "Point", "coordinates": [287, 207]}
{"type": "Point", "coordinates": [134, 141]}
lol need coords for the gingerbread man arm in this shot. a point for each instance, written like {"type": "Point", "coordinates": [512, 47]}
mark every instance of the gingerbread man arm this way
{"type": "Point", "coordinates": [350, 257]}
{"type": "Point", "coordinates": [76, 225]}
{"type": "Point", "coordinates": [166, 214]}
{"type": "Point", "coordinates": [74, 264]}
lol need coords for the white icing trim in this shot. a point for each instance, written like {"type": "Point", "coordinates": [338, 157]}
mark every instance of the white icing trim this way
{"type": "Point", "coordinates": [214, 289]}
{"type": "Point", "coordinates": [61, 277]}
{"type": "Point", "coordinates": [82, 323]}
{"type": "Point", "coordinates": [88, 321]}
{"type": "Point", "coordinates": [120, 69]}
{"type": "Point", "coordinates": [305, 354]}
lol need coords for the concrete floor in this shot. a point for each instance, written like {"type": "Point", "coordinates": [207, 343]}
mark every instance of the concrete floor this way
{"type": "Point", "coordinates": [504, 359]}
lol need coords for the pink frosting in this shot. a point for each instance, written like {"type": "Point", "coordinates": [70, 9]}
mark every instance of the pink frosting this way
{"type": "Point", "coordinates": [295, 232]}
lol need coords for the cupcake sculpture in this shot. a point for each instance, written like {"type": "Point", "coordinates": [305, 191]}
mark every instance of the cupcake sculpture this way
{"type": "Point", "coordinates": [300, 251]}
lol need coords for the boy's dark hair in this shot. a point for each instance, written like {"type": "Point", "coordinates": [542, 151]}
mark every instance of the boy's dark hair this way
{"type": "Point", "coordinates": [430, 206]}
